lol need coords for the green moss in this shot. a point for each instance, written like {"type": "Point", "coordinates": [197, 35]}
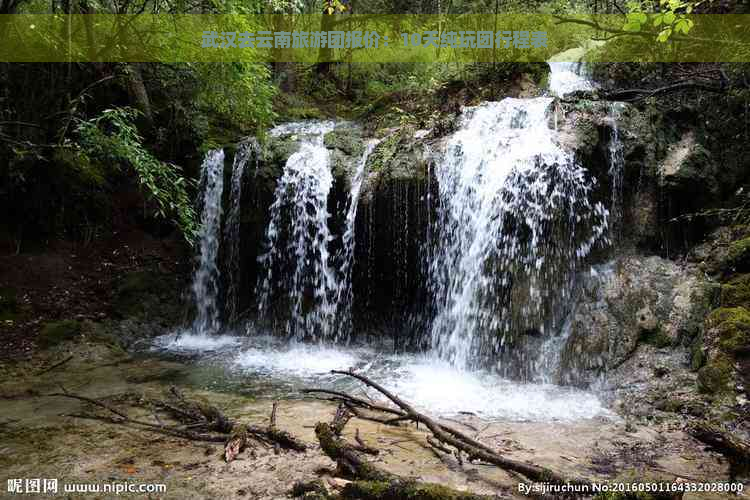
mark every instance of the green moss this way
{"type": "Point", "coordinates": [304, 113]}
{"type": "Point", "coordinates": [348, 140]}
{"type": "Point", "coordinates": [736, 292]}
{"type": "Point", "coordinates": [101, 333]}
{"type": "Point", "coordinates": [697, 355]}
{"type": "Point", "coordinates": [384, 152]}
{"type": "Point", "coordinates": [404, 490]}
{"type": "Point", "coordinates": [398, 157]}
{"type": "Point", "coordinates": [716, 376]}
{"type": "Point", "coordinates": [656, 338]}
{"type": "Point", "coordinates": [733, 327]}
{"type": "Point", "coordinates": [56, 332]}
{"type": "Point", "coordinates": [670, 405]}
{"type": "Point", "coordinates": [738, 255]}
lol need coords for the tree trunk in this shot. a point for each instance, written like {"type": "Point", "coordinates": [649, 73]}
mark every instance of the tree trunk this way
{"type": "Point", "coordinates": [138, 93]}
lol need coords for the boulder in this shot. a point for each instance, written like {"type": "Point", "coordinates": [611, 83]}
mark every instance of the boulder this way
{"type": "Point", "coordinates": [630, 302]}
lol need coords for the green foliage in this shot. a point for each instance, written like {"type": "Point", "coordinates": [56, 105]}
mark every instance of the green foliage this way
{"type": "Point", "coordinates": [669, 17]}
{"type": "Point", "coordinates": [113, 137]}
{"type": "Point", "coordinates": [242, 93]}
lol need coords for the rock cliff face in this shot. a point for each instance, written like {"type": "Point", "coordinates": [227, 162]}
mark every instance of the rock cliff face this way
{"type": "Point", "coordinates": [632, 302]}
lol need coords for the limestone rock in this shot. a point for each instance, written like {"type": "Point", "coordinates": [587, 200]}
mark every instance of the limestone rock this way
{"type": "Point", "coordinates": [634, 300]}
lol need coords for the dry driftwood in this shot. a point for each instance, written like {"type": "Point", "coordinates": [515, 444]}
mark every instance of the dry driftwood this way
{"type": "Point", "coordinates": [198, 421]}
{"type": "Point", "coordinates": [447, 435]}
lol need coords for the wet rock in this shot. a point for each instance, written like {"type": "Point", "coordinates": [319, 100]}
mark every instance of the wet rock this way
{"type": "Point", "coordinates": [631, 302]}
{"type": "Point", "coordinates": [717, 377]}
{"type": "Point", "coordinates": [392, 223]}
{"type": "Point", "coordinates": [688, 170]}
{"type": "Point", "coordinates": [723, 252]}
{"type": "Point", "coordinates": [346, 145]}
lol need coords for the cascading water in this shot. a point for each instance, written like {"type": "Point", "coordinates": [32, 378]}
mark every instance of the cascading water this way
{"type": "Point", "coordinates": [344, 292]}
{"type": "Point", "coordinates": [245, 152]}
{"type": "Point", "coordinates": [514, 220]}
{"type": "Point", "coordinates": [206, 279]}
{"type": "Point", "coordinates": [300, 270]}
{"type": "Point", "coordinates": [569, 72]}
{"type": "Point", "coordinates": [616, 167]}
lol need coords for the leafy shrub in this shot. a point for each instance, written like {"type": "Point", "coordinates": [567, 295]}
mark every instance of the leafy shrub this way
{"type": "Point", "coordinates": [112, 137]}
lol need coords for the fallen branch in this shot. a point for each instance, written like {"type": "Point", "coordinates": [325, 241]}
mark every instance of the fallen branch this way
{"type": "Point", "coordinates": [463, 443]}
{"type": "Point", "coordinates": [737, 450]}
{"type": "Point", "coordinates": [200, 421]}
{"type": "Point", "coordinates": [371, 482]}
{"type": "Point", "coordinates": [631, 95]}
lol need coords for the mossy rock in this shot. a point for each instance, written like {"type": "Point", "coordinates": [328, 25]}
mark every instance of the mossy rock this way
{"type": "Point", "coordinates": [732, 325]}
{"type": "Point", "coordinates": [101, 333]}
{"type": "Point", "coordinates": [656, 338]}
{"type": "Point", "coordinates": [56, 332]}
{"type": "Point", "coordinates": [670, 405]}
{"type": "Point", "coordinates": [347, 139]}
{"type": "Point", "coordinates": [398, 157]}
{"type": "Point", "coordinates": [736, 292]}
{"type": "Point", "coordinates": [278, 149]}
{"type": "Point", "coordinates": [738, 256]}
{"type": "Point", "coordinates": [717, 376]}
{"type": "Point", "coordinates": [697, 354]}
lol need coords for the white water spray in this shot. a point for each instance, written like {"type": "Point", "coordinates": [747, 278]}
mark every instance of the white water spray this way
{"type": "Point", "coordinates": [616, 167]}
{"type": "Point", "coordinates": [207, 276]}
{"type": "Point", "coordinates": [300, 270]}
{"type": "Point", "coordinates": [514, 219]}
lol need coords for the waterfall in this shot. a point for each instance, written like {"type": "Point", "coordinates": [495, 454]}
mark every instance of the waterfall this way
{"type": "Point", "coordinates": [567, 77]}
{"type": "Point", "coordinates": [616, 168]}
{"type": "Point", "coordinates": [344, 293]}
{"type": "Point", "coordinates": [245, 152]}
{"type": "Point", "coordinates": [296, 262]}
{"type": "Point", "coordinates": [207, 277]}
{"type": "Point", "coordinates": [514, 219]}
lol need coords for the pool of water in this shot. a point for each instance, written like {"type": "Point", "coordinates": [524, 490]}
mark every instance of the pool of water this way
{"type": "Point", "coordinates": [267, 367]}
